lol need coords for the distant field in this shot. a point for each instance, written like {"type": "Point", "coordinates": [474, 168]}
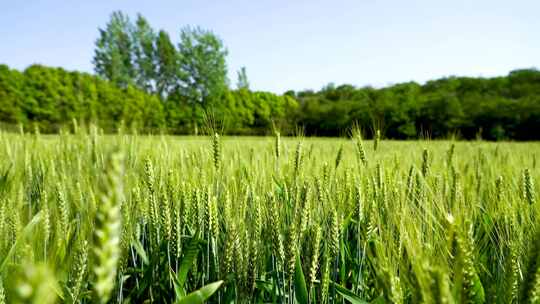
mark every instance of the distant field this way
{"type": "Point", "coordinates": [127, 219]}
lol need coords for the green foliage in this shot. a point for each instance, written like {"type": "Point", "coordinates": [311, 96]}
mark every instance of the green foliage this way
{"type": "Point", "coordinates": [166, 64]}
{"type": "Point", "coordinates": [144, 54]}
{"type": "Point", "coordinates": [300, 287]}
{"type": "Point", "coordinates": [203, 69]}
{"type": "Point", "coordinates": [498, 108]}
{"type": "Point", "coordinates": [52, 98]}
{"type": "Point", "coordinates": [114, 48]}
{"type": "Point", "coordinates": [188, 260]}
{"type": "Point", "coordinates": [349, 295]}
{"type": "Point", "coordinates": [201, 295]}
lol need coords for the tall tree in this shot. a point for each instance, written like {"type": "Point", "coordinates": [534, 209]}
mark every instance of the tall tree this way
{"type": "Point", "coordinates": [167, 64]}
{"type": "Point", "coordinates": [114, 49]}
{"type": "Point", "coordinates": [203, 69]}
{"type": "Point", "coordinates": [242, 82]}
{"type": "Point", "coordinates": [144, 54]}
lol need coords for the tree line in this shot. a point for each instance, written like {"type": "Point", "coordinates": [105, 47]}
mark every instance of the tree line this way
{"type": "Point", "coordinates": [498, 108]}
{"type": "Point", "coordinates": [148, 83]}
{"type": "Point", "coordinates": [52, 98]}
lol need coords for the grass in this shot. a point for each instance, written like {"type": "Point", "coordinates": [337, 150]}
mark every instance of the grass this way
{"type": "Point", "coordinates": [120, 218]}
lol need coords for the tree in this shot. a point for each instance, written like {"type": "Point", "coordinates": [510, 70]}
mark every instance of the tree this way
{"type": "Point", "coordinates": [203, 69]}
{"type": "Point", "coordinates": [114, 49]}
{"type": "Point", "coordinates": [144, 54]}
{"type": "Point", "coordinates": [242, 82]}
{"type": "Point", "coordinates": [167, 65]}
{"type": "Point", "coordinates": [202, 73]}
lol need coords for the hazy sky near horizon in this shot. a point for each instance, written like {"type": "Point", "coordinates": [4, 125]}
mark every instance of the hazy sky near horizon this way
{"type": "Point", "coordinates": [298, 44]}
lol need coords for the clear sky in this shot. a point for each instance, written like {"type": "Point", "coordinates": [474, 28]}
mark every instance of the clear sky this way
{"type": "Point", "coordinates": [299, 44]}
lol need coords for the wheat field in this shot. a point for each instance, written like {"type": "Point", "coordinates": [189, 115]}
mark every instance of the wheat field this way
{"type": "Point", "coordinates": [92, 218]}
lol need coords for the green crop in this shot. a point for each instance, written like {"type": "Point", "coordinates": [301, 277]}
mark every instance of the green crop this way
{"type": "Point", "coordinates": [93, 218]}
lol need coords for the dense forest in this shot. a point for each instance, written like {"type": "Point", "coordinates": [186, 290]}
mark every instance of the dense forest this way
{"type": "Point", "coordinates": [147, 83]}
{"type": "Point", "coordinates": [491, 108]}
{"type": "Point", "coordinates": [52, 98]}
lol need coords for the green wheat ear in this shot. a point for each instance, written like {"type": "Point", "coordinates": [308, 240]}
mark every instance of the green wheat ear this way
{"type": "Point", "coordinates": [528, 187]}
{"type": "Point", "coordinates": [2, 293]}
{"type": "Point", "coordinates": [325, 280]}
{"type": "Point", "coordinates": [377, 140]}
{"type": "Point", "coordinates": [278, 145]}
{"type": "Point", "coordinates": [425, 162]}
{"type": "Point", "coordinates": [108, 229]}
{"type": "Point", "coordinates": [530, 289]}
{"type": "Point", "coordinates": [471, 289]}
{"type": "Point", "coordinates": [360, 151]}
{"type": "Point", "coordinates": [440, 287]}
{"type": "Point", "coordinates": [76, 280]}
{"type": "Point", "coordinates": [512, 276]}
{"type": "Point", "coordinates": [450, 155]}
{"type": "Point", "coordinates": [339, 156]}
{"type": "Point", "coordinates": [315, 256]}
{"type": "Point", "coordinates": [298, 158]}
{"type": "Point", "coordinates": [216, 150]}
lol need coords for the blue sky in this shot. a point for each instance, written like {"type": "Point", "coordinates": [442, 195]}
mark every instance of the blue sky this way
{"type": "Point", "coordinates": [299, 44]}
